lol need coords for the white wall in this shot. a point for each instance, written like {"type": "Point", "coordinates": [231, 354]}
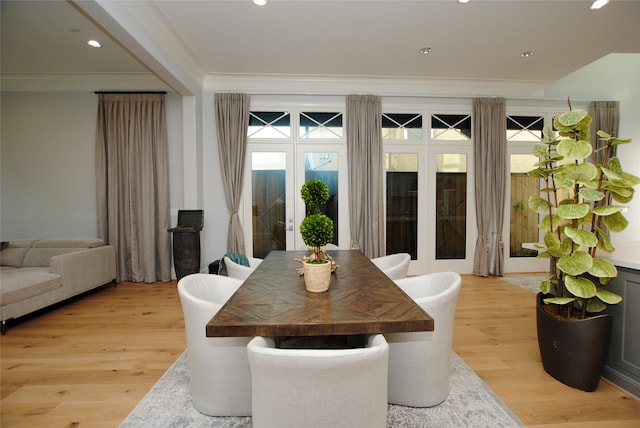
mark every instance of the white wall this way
{"type": "Point", "coordinates": [614, 77]}
{"type": "Point", "coordinates": [47, 172]}
{"type": "Point", "coordinates": [48, 178]}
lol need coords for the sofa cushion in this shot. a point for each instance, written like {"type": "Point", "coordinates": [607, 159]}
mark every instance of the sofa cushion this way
{"type": "Point", "coordinates": [22, 243]}
{"type": "Point", "coordinates": [13, 257]}
{"type": "Point", "coordinates": [69, 243]}
{"type": "Point", "coordinates": [39, 257]}
{"type": "Point", "coordinates": [20, 284]}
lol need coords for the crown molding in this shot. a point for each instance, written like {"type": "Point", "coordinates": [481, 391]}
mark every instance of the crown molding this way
{"type": "Point", "coordinates": [25, 82]}
{"type": "Point", "coordinates": [341, 85]}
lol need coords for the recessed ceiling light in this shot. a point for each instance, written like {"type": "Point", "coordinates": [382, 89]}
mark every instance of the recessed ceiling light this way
{"type": "Point", "coordinates": [463, 1]}
{"type": "Point", "coordinates": [527, 54]}
{"type": "Point", "coordinates": [425, 51]}
{"type": "Point", "coordinates": [260, 2]}
{"type": "Point", "coordinates": [598, 4]}
{"type": "Point", "coordinates": [94, 43]}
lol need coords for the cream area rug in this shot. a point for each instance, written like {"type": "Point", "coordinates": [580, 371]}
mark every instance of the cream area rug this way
{"type": "Point", "coordinates": [531, 283]}
{"type": "Point", "coordinates": [469, 404]}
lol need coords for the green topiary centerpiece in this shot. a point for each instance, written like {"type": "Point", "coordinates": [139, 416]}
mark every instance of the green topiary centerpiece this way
{"type": "Point", "coordinates": [316, 229]}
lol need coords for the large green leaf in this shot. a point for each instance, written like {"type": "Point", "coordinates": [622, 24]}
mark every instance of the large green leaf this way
{"type": "Point", "coordinates": [612, 174]}
{"type": "Point", "coordinates": [552, 243]}
{"type": "Point", "coordinates": [618, 141]}
{"type": "Point", "coordinates": [540, 150]}
{"type": "Point", "coordinates": [571, 118]}
{"type": "Point", "coordinates": [575, 149]}
{"type": "Point", "coordinates": [544, 254]}
{"type": "Point", "coordinates": [563, 182]}
{"type": "Point", "coordinates": [630, 179]}
{"type": "Point", "coordinates": [581, 172]}
{"type": "Point", "coordinates": [566, 247]}
{"type": "Point", "coordinates": [538, 204]}
{"type": "Point", "coordinates": [538, 173]}
{"type": "Point", "coordinates": [581, 237]}
{"type": "Point", "coordinates": [608, 297]}
{"type": "Point", "coordinates": [603, 268]}
{"type": "Point", "coordinates": [591, 194]}
{"type": "Point", "coordinates": [619, 188]}
{"type": "Point", "coordinates": [559, 300]}
{"type": "Point", "coordinates": [603, 135]}
{"type": "Point", "coordinates": [615, 222]}
{"type": "Point", "coordinates": [576, 263]}
{"type": "Point", "coordinates": [604, 241]}
{"type": "Point", "coordinates": [595, 305]}
{"type": "Point", "coordinates": [580, 287]}
{"type": "Point", "coordinates": [550, 223]}
{"type": "Point", "coordinates": [573, 211]}
{"type": "Point", "coordinates": [606, 210]}
{"type": "Point", "coordinates": [545, 285]}
{"type": "Point", "coordinates": [548, 133]}
{"type": "Point", "coordinates": [621, 195]}
{"type": "Point", "coordinates": [591, 185]}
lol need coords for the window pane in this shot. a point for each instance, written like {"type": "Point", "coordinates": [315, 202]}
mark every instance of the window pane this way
{"type": "Point", "coordinates": [455, 127]}
{"type": "Point", "coordinates": [269, 124]}
{"type": "Point", "coordinates": [321, 125]}
{"type": "Point", "coordinates": [523, 221]}
{"type": "Point", "coordinates": [402, 203]}
{"type": "Point", "coordinates": [268, 202]}
{"type": "Point", "coordinates": [401, 126]}
{"type": "Point", "coordinates": [324, 167]}
{"type": "Point", "coordinates": [524, 128]}
{"type": "Point", "coordinates": [451, 206]}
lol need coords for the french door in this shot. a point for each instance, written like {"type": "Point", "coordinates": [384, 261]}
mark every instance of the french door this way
{"type": "Point", "coordinates": [272, 209]}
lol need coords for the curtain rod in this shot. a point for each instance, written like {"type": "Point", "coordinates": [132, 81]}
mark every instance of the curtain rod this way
{"type": "Point", "coordinates": [130, 92]}
{"type": "Point", "coordinates": [412, 96]}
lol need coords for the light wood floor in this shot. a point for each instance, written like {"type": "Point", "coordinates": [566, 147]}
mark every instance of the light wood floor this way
{"type": "Point", "coordinates": [89, 362]}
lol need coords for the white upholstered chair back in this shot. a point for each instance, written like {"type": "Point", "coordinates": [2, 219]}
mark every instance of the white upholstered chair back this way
{"type": "Point", "coordinates": [319, 387]}
{"type": "Point", "coordinates": [420, 362]}
{"type": "Point", "coordinates": [395, 266]}
{"type": "Point", "coordinates": [236, 270]}
{"type": "Point", "coordinates": [220, 380]}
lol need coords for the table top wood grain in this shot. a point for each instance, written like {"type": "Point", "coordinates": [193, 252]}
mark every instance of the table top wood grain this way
{"type": "Point", "coordinates": [361, 299]}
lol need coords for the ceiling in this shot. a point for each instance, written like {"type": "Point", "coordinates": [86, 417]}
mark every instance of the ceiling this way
{"type": "Point", "coordinates": [481, 40]}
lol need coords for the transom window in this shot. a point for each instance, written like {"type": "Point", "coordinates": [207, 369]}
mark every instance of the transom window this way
{"type": "Point", "coordinates": [451, 127]}
{"type": "Point", "coordinates": [269, 124]}
{"type": "Point", "coordinates": [401, 126]}
{"type": "Point", "coordinates": [321, 125]}
{"type": "Point", "coordinates": [524, 128]}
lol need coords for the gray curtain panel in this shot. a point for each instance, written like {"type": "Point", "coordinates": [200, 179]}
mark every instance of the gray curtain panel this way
{"type": "Point", "coordinates": [232, 122]}
{"type": "Point", "coordinates": [364, 152]}
{"type": "Point", "coordinates": [606, 117]}
{"type": "Point", "coordinates": [132, 179]}
{"type": "Point", "coordinates": [490, 157]}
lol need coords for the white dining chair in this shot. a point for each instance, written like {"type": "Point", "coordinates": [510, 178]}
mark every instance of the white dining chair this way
{"type": "Point", "coordinates": [220, 379]}
{"type": "Point", "coordinates": [395, 266]}
{"type": "Point", "coordinates": [420, 362]}
{"type": "Point", "coordinates": [319, 387]}
{"type": "Point", "coordinates": [236, 270]}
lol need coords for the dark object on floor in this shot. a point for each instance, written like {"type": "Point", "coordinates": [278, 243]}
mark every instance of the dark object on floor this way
{"type": "Point", "coordinates": [186, 242]}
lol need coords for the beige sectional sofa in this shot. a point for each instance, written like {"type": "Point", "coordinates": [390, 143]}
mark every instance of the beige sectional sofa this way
{"type": "Point", "coordinates": [36, 273]}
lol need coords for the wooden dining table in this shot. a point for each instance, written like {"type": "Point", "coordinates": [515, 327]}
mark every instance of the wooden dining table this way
{"type": "Point", "coordinates": [361, 300]}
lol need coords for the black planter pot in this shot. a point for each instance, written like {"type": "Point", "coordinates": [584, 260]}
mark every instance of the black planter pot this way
{"type": "Point", "coordinates": [186, 253]}
{"type": "Point", "coordinates": [573, 351]}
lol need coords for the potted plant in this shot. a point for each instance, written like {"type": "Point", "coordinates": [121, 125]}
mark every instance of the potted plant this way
{"type": "Point", "coordinates": [581, 204]}
{"type": "Point", "coordinates": [316, 230]}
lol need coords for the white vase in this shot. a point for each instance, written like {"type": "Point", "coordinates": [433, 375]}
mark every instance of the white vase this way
{"type": "Point", "coordinates": [317, 276]}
